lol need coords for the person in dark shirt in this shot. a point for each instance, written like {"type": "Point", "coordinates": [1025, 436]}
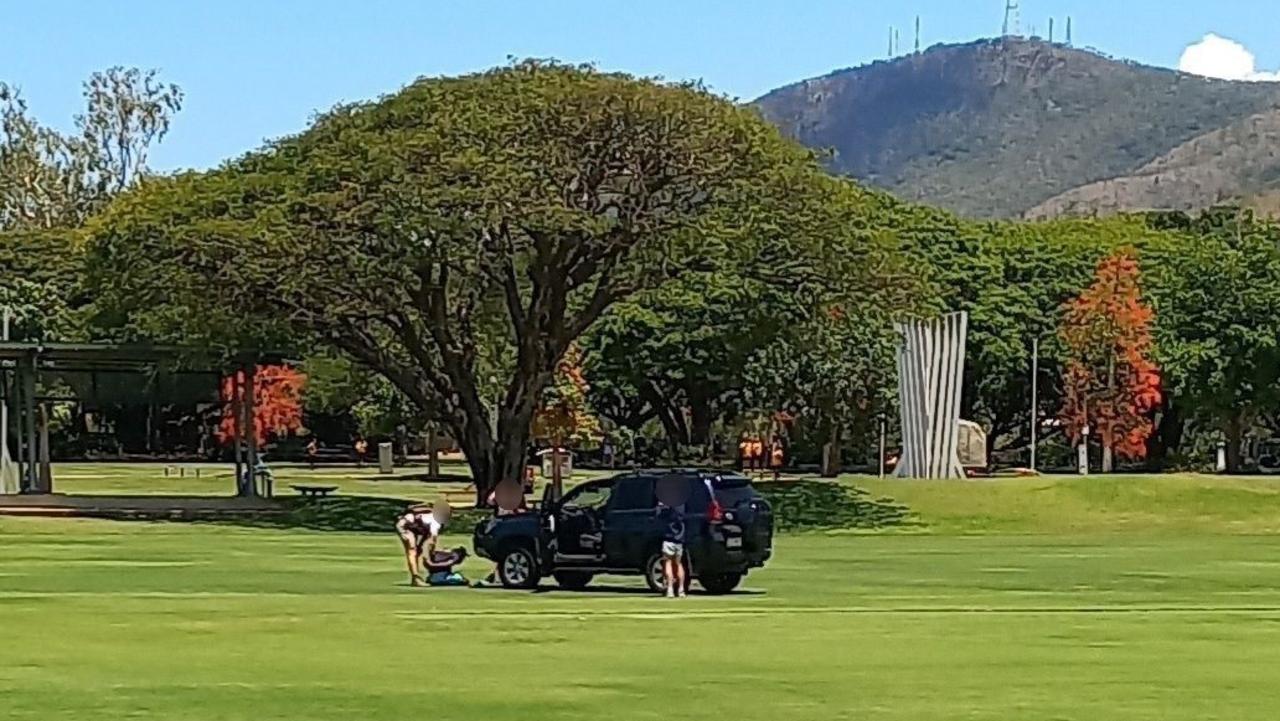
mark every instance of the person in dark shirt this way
{"type": "Point", "coordinates": [673, 532]}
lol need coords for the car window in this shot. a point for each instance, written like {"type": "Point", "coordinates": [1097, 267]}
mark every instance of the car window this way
{"type": "Point", "coordinates": [698, 497]}
{"type": "Point", "coordinates": [633, 494]}
{"type": "Point", "coordinates": [590, 496]}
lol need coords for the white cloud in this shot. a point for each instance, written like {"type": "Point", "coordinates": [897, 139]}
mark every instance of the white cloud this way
{"type": "Point", "coordinates": [1217, 57]}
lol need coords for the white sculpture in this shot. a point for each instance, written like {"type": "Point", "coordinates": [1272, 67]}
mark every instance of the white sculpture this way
{"type": "Point", "coordinates": [930, 371]}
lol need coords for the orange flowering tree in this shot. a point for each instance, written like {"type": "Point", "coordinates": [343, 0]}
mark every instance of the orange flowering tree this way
{"type": "Point", "coordinates": [277, 403]}
{"type": "Point", "coordinates": [1111, 385]}
{"type": "Point", "coordinates": [564, 417]}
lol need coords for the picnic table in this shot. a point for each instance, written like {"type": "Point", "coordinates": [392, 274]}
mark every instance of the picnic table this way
{"type": "Point", "coordinates": [314, 491]}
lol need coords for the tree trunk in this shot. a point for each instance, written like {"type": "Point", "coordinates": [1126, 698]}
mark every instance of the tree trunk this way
{"type": "Point", "coordinates": [433, 453]}
{"type": "Point", "coordinates": [673, 423]}
{"type": "Point", "coordinates": [1167, 437]}
{"type": "Point", "coordinates": [1108, 462]}
{"type": "Point", "coordinates": [701, 418]}
{"type": "Point", "coordinates": [1234, 432]}
{"type": "Point", "coordinates": [831, 453]}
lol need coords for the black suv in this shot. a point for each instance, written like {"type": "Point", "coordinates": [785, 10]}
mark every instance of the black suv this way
{"type": "Point", "coordinates": [611, 526]}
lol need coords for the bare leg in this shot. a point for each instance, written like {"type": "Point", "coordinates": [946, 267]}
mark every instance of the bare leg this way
{"type": "Point", "coordinates": [669, 573]}
{"type": "Point", "coordinates": [678, 570]}
{"type": "Point", "coordinates": [411, 558]}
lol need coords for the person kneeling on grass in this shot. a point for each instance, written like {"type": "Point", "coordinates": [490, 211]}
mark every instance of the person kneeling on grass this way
{"type": "Point", "coordinates": [672, 521]}
{"type": "Point", "coordinates": [439, 566]}
{"type": "Point", "coordinates": [419, 531]}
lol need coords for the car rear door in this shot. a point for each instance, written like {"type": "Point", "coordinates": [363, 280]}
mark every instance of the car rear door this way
{"type": "Point", "coordinates": [631, 525]}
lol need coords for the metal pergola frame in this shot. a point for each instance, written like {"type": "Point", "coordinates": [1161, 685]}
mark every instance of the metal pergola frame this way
{"type": "Point", "coordinates": [21, 364]}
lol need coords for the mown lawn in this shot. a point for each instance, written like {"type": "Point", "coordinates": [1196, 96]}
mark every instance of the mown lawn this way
{"type": "Point", "coordinates": [1176, 503]}
{"type": "Point", "coordinates": [171, 621]}
{"type": "Point", "coordinates": [149, 479]}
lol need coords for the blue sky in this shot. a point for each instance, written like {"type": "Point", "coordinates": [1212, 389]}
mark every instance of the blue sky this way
{"type": "Point", "coordinates": [258, 69]}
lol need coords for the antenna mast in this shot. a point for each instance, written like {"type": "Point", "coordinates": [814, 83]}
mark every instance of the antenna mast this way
{"type": "Point", "coordinates": [1050, 29]}
{"type": "Point", "coordinates": [1010, 14]}
{"type": "Point", "coordinates": [917, 34]}
{"type": "Point", "coordinates": [1068, 31]}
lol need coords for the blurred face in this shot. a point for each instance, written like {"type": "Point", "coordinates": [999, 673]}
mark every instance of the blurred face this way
{"type": "Point", "coordinates": [441, 512]}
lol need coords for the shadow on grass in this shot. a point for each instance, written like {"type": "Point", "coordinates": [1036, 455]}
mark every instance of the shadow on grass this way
{"type": "Point", "coordinates": [805, 505]}
{"type": "Point", "coordinates": [811, 505]}
{"type": "Point", "coordinates": [346, 514]}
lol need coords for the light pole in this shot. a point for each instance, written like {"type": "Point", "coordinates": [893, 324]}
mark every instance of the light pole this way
{"type": "Point", "coordinates": [5, 485]}
{"type": "Point", "coordinates": [1035, 400]}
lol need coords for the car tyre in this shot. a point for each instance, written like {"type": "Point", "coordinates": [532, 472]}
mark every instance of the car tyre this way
{"type": "Point", "coordinates": [656, 580]}
{"type": "Point", "coordinates": [720, 583]}
{"type": "Point", "coordinates": [518, 568]}
{"type": "Point", "coordinates": [573, 580]}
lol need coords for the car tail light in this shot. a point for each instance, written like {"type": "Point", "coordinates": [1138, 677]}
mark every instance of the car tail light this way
{"type": "Point", "coordinates": [715, 513]}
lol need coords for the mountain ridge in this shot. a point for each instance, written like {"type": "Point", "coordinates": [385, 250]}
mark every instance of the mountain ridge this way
{"type": "Point", "coordinates": [998, 127]}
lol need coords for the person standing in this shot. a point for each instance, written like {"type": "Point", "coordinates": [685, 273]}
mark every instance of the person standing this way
{"type": "Point", "coordinates": [671, 519]}
{"type": "Point", "coordinates": [313, 450]}
{"type": "Point", "coordinates": [757, 454]}
{"type": "Point", "coordinates": [362, 448]}
{"type": "Point", "coordinates": [777, 454]}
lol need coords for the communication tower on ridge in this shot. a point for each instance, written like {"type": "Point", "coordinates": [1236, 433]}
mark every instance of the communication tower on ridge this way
{"type": "Point", "coordinates": [1011, 18]}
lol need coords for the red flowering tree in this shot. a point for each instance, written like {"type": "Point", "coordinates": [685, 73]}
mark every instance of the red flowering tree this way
{"type": "Point", "coordinates": [1111, 384]}
{"type": "Point", "coordinates": [277, 403]}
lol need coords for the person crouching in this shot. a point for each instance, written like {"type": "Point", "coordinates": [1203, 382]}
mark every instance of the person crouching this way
{"type": "Point", "coordinates": [419, 531]}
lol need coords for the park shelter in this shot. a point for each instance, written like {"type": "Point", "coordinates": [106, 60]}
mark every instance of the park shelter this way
{"type": "Point", "coordinates": [35, 375]}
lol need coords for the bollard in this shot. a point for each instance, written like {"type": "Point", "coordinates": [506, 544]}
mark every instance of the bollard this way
{"type": "Point", "coordinates": [385, 464]}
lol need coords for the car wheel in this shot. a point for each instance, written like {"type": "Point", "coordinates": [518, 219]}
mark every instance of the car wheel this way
{"type": "Point", "coordinates": [656, 580]}
{"type": "Point", "coordinates": [720, 583]}
{"type": "Point", "coordinates": [517, 568]}
{"type": "Point", "coordinates": [574, 580]}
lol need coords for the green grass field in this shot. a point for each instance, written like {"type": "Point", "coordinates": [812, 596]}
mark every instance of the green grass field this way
{"type": "Point", "coordinates": [1139, 598]}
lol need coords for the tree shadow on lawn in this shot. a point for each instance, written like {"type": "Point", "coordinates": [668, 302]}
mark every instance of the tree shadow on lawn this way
{"type": "Point", "coordinates": [345, 514]}
{"type": "Point", "coordinates": [798, 506]}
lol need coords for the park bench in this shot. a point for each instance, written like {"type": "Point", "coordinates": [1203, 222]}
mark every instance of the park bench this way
{"type": "Point", "coordinates": [314, 491]}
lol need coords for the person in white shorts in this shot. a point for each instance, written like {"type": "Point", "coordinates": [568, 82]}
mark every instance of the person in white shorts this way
{"type": "Point", "coordinates": [419, 531]}
{"type": "Point", "coordinates": [672, 519]}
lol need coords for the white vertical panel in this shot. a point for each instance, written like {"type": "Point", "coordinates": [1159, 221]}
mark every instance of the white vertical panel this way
{"type": "Point", "coordinates": [930, 374]}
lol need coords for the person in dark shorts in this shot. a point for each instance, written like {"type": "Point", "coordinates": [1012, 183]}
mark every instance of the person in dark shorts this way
{"type": "Point", "coordinates": [671, 519]}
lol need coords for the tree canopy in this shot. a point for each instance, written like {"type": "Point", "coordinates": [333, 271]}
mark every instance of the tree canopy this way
{"type": "Point", "coordinates": [460, 230]}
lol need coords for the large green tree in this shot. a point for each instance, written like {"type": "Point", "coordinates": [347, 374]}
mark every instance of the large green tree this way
{"type": "Point", "coordinates": [831, 365]}
{"type": "Point", "coordinates": [1012, 279]}
{"type": "Point", "coordinates": [53, 179]}
{"type": "Point", "coordinates": [462, 231]}
{"type": "Point", "coordinates": [1215, 287]}
{"type": "Point", "coordinates": [50, 182]}
{"type": "Point", "coordinates": [678, 354]}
